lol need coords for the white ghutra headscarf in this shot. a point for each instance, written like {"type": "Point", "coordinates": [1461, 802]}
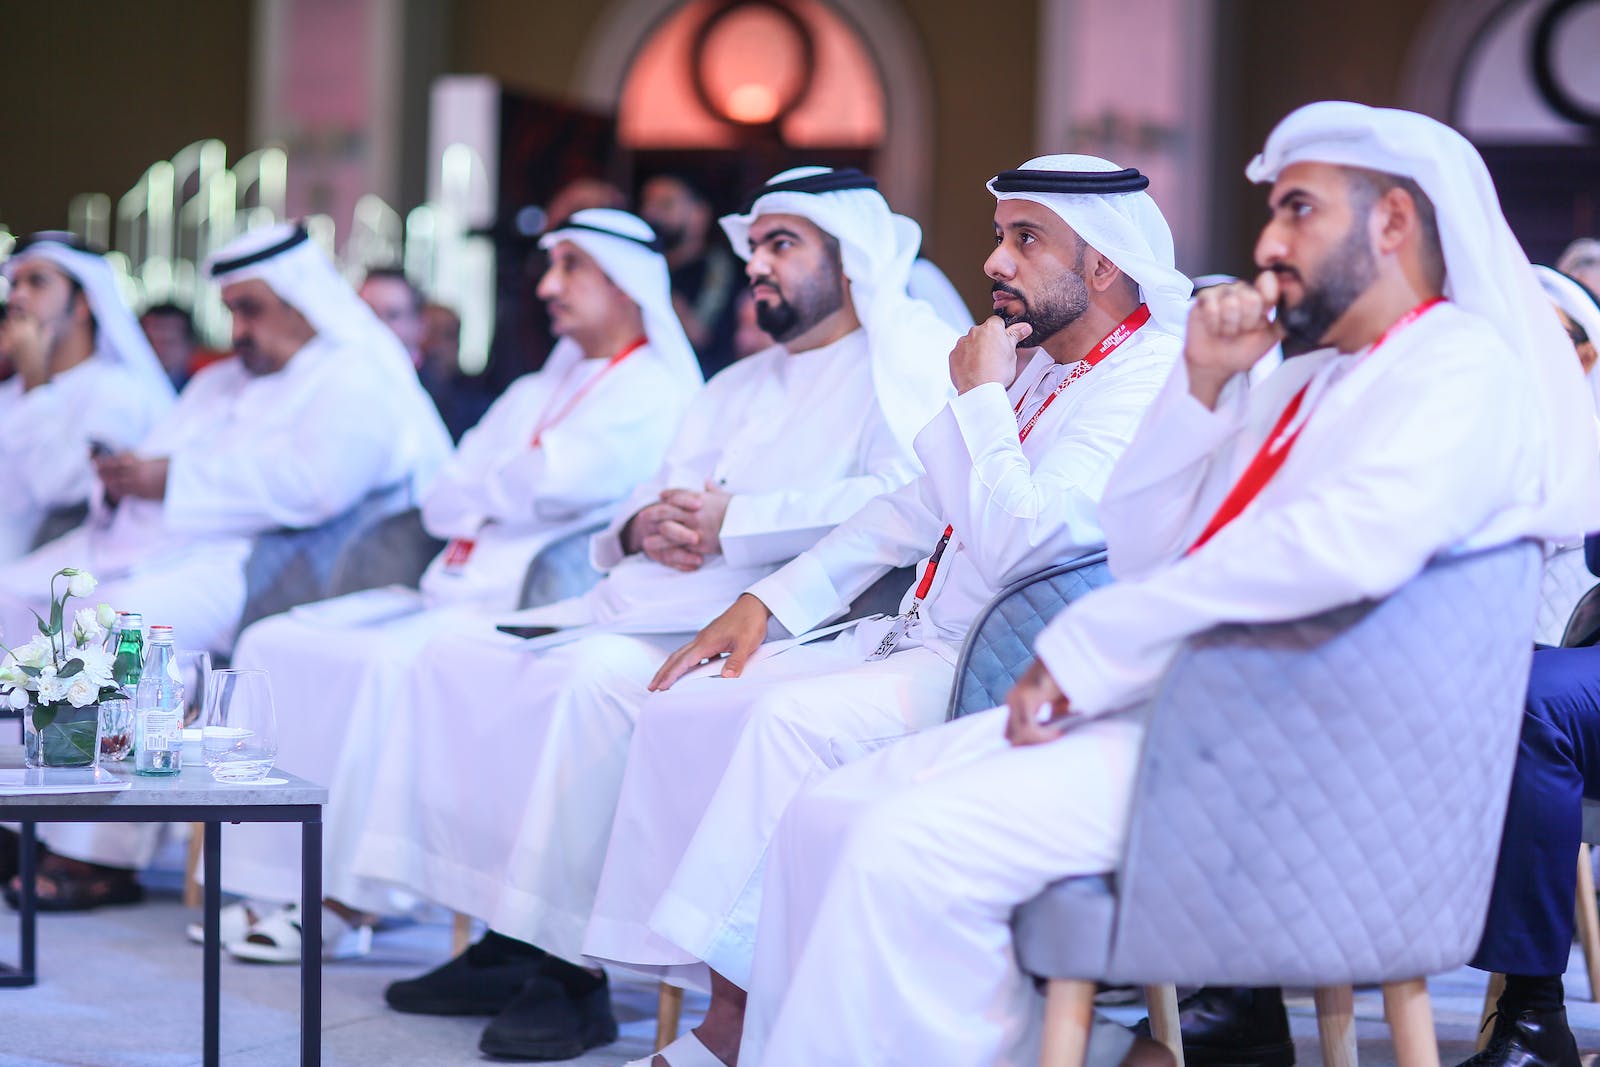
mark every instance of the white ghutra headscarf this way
{"type": "Point", "coordinates": [624, 247]}
{"type": "Point", "coordinates": [302, 275]}
{"type": "Point", "coordinates": [1486, 273]}
{"type": "Point", "coordinates": [1107, 206]}
{"type": "Point", "coordinates": [909, 343]}
{"type": "Point", "coordinates": [118, 336]}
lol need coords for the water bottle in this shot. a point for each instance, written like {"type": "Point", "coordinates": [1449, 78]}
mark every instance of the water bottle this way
{"type": "Point", "coordinates": [158, 709]}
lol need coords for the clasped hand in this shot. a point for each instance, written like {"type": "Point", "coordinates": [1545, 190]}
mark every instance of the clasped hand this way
{"type": "Point", "coordinates": [1034, 692]}
{"type": "Point", "coordinates": [682, 529]}
{"type": "Point", "coordinates": [126, 475]}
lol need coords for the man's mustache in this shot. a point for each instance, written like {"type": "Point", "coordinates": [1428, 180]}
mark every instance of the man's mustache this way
{"type": "Point", "coordinates": [1002, 287]}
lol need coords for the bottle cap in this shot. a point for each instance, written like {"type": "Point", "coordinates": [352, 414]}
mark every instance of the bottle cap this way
{"type": "Point", "coordinates": [161, 635]}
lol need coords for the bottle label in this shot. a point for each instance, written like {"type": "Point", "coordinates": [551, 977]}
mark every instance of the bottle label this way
{"type": "Point", "coordinates": [161, 730]}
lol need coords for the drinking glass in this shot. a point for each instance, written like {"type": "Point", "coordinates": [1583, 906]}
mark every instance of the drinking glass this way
{"type": "Point", "coordinates": [239, 738]}
{"type": "Point", "coordinates": [194, 670]}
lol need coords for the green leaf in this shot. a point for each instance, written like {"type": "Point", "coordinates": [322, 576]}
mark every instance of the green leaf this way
{"type": "Point", "coordinates": [31, 672]}
{"type": "Point", "coordinates": [44, 715]}
{"type": "Point", "coordinates": [74, 666]}
{"type": "Point", "coordinates": [44, 627]}
{"type": "Point", "coordinates": [55, 616]}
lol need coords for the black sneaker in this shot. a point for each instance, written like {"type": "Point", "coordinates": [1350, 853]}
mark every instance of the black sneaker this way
{"type": "Point", "coordinates": [1528, 1039]}
{"type": "Point", "coordinates": [480, 981]}
{"type": "Point", "coordinates": [547, 1022]}
{"type": "Point", "coordinates": [1225, 1027]}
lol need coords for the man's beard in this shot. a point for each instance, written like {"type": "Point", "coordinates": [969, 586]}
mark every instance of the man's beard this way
{"type": "Point", "coordinates": [1052, 311]}
{"type": "Point", "coordinates": [814, 300]}
{"type": "Point", "coordinates": [1342, 276]}
{"type": "Point", "coordinates": [669, 238]}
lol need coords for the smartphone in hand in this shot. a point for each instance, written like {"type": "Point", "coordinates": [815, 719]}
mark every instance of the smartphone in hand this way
{"type": "Point", "coordinates": [99, 449]}
{"type": "Point", "coordinates": [527, 632]}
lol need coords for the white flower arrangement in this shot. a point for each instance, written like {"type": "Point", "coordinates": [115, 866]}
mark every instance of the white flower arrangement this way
{"type": "Point", "coordinates": [65, 664]}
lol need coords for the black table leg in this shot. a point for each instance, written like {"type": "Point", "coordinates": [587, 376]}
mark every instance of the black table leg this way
{"type": "Point", "coordinates": [25, 974]}
{"type": "Point", "coordinates": [213, 947]}
{"type": "Point", "coordinates": [311, 942]}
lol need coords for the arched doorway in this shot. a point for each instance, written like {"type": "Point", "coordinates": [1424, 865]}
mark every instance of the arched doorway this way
{"type": "Point", "coordinates": [866, 102]}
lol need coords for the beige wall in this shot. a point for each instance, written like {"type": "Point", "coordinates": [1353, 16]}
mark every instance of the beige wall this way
{"type": "Point", "coordinates": [92, 93]}
{"type": "Point", "coordinates": [982, 69]}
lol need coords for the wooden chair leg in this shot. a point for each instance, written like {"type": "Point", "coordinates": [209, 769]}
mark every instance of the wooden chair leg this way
{"type": "Point", "coordinates": [1588, 921]}
{"type": "Point", "coordinates": [1336, 1025]}
{"type": "Point", "coordinates": [1410, 1016]}
{"type": "Point", "coordinates": [460, 933]}
{"type": "Point", "coordinates": [1161, 1004]}
{"type": "Point", "coordinates": [1491, 996]}
{"type": "Point", "coordinates": [1068, 1015]}
{"type": "Point", "coordinates": [192, 892]}
{"type": "Point", "coordinates": [669, 1008]}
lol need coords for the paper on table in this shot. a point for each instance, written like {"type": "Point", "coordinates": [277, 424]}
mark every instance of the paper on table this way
{"type": "Point", "coordinates": [49, 781]}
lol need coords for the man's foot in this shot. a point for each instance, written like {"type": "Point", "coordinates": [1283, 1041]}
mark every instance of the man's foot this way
{"type": "Point", "coordinates": [63, 884]}
{"type": "Point", "coordinates": [1528, 1039]}
{"type": "Point", "coordinates": [480, 981]}
{"type": "Point", "coordinates": [10, 854]}
{"type": "Point", "coordinates": [1226, 1027]}
{"type": "Point", "coordinates": [552, 1019]}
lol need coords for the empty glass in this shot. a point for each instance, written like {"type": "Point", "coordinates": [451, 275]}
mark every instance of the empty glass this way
{"type": "Point", "coordinates": [239, 735]}
{"type": "Point", "coordinates": [194, 670]}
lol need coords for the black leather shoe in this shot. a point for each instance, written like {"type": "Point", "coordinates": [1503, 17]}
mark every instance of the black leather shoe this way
{"type": "Point", "coordinates": [10, 858]}
{"type": "Point", "coordinates": [1226, 1027]}
{"type": "Point", "coordinates": [1528, 1039]}
{"type": "Point", "coordinates": [545, 1022]}
{"type": "Point", "coordinates": [480, 981]}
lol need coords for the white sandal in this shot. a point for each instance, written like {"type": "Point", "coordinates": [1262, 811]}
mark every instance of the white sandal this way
{"type": "Point", "coordinates": [235, 921]}
{"type": "Point", "coordinates": [276, 939]}
{"type": "Point", "coordinates": [687, 1051]}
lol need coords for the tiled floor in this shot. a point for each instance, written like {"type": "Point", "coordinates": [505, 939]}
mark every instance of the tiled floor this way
{"type": "Point", "coordinates": [122, 987]}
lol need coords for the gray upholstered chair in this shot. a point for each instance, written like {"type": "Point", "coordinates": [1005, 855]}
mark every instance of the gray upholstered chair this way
{"type": "Point", "coordinates": [290, 567]}
{"type": "Point", "coordinates": [395, 550]}
{"type": "Point", "coordinates": [1318, 804]}
{"type": "Point", "coordinates": [1562, 586]}
{"type": "Point", "coordinates": [561, 569]}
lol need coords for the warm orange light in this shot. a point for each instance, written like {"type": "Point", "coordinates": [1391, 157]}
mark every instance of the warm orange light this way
{"type": "Point", "coordinates": [751, 103]}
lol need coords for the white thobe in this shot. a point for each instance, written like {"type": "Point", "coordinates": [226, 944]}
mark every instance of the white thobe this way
{"type": "Point", "coordinates": [247, 454]}
{"type": "Point", "coordinates": [715, 762]}
{"type": "Point", "coordinates": [908, 865]}
{"type": "Point", "coordinates": [500, 766]}
{"type": "Point", "coordinates": [45, 434]}
{"type": "Point", "coordinates": [334, 684]}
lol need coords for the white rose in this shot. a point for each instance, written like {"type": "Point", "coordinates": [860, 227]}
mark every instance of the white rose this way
{"type": "Point", "coordinates": [96, 665]}
{"type": "Point", "coordinates": [87, 622]}
{"type": "Point", "coordinates": [106, 616]}
{"type": "Point", "coordinates": [51, 688]}
{"type": "Point", "coordinates": [81, 583]}
{"type": "Point", "coordinates": [35, 653]}
{"type": "Point", "coordinates": [82, 692]}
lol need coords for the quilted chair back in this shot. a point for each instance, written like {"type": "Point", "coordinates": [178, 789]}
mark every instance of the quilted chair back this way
{"type": "Point", "coordinates": [395, 550]}
{"type": "Point", "coordinates": [1320, 802]}
{"type": "Point", "coordinates": [1000, 645]}
{"type": "Point", "coordinates": [289, 567]}
{"type": "Point", "coordinates": [560, 570]}
{"type": "Point", "coordinates": [1561, 587]}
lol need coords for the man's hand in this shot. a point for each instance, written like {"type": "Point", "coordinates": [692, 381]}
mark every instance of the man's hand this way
{"type": "Point", "coordinates": [1033, 692]}
{"type": "Point", "coordinates": [126, 475]}
{"type": "Point", "coordinates": [645, 533]}
{"type": "Point", "coordinates": [22, 339]}
{"type": "Point", "coordinates": [701, 527]}
{"type": "Point", "coordinates": [1228, 332]}
{"type": "Point", "coordinates": [988, 353]}
{"type": "Point", "coordinates": [738, 632]}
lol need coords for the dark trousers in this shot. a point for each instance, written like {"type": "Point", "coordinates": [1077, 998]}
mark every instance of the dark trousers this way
{"type": "Point", "coordinates": [1530, 925]}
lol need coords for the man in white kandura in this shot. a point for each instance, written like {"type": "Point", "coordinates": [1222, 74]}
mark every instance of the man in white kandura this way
{"type": "Point", "coordinates": [1083, 272]}
{"type": "Point", "coordinates": [551, 457]}
{"type": "Point", "coordinates": [494, 788]}
{"type": "Point", "coordinates": [319, 409]}
{"type": "Point", "coordinates": [1419, 427]}
{"type": "Point", "coordinates": [85, 379]}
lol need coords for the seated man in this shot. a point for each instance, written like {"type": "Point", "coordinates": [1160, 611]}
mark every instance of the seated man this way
{"type": "Point", "coordinates": [552, 456]}
{"type": "Point", "coordinates": [85, 378]}
{"type": "Point", "coordinates": [1529, 930]}
{"type": "Point", "coordinates": [1422, 427]}
{"type": "Point", "coordinates": [319, 410]}
{"type": "Point", "coordinates": [496, 772]}
{"type": "Point", "coordinates": [1015, 467]}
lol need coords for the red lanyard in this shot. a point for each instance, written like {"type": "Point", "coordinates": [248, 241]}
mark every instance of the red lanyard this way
{"type": "Point", "coordinates": [1275, 449]}
{"type": "Point", "coordinates": [547, 420]}
{"type": "Point", "coordinates": [1107, 345]}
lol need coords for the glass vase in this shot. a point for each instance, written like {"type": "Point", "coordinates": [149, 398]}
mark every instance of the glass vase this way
{"type": "Point", "coordinates": [60, 735]}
